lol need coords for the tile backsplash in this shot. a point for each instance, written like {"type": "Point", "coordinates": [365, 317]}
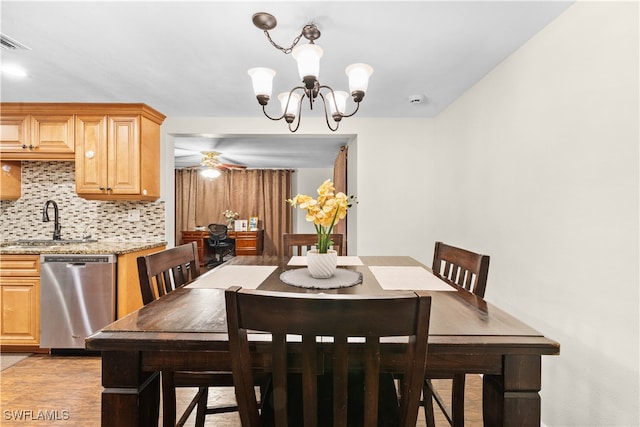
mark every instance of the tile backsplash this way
{"type": "Point", "coordinates": [106, 221]}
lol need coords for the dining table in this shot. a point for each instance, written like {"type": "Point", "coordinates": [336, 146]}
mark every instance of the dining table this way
{"type": "Point", "coordinates": [186, 330]}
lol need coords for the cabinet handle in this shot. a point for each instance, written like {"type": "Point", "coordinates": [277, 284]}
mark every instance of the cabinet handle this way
{"type": "Point", "coordinates": [24, 146]}
{"type": "Point", "coordinates": [101, 188]}
{"type": "Point", "coordinates": [109, 188]}
{"type": "Point", "coordinates": [30, 146]}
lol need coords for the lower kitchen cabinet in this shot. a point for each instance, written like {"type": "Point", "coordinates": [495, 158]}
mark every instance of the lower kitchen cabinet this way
{"type": "Point", "coordinates": [128, 293]}
{"type": "Point", "coordinates": [19, 301]}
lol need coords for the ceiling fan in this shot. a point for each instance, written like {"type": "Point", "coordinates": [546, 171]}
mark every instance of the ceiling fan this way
{"type": "Point", "coordinates": [211, 159]}
{"type": "Point", "coordinates": [211, 164]}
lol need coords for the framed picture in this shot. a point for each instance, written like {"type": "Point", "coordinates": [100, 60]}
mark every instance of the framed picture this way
{"type": "Point", "coordinates": [240, 225]}
{"type": "Point", "coordinates": [253, 223]}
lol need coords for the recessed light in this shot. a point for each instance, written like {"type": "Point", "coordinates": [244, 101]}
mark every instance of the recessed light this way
{"type": "Point", "coordinates": [13, 70]}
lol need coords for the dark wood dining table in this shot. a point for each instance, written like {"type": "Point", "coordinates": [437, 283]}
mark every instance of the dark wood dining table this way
{"type": "Point", "coordinates": [186, 330]}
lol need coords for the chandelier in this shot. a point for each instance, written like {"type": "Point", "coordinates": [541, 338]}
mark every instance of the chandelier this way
{"type": "Point", "coordinates": [307, 57]}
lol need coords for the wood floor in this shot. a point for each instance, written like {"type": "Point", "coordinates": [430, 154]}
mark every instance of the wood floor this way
{"type": "Point", "coordinates": [65, 391]}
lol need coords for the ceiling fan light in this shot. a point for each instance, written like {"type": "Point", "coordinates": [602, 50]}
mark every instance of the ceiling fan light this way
{"type": "Point", "coordinates": [340, 97]}
{"type": "Point", "coordinates": [294, 102]}
{"type": "Point", "coordinates": [358, 77]}
{"type": "Point", "coordinates": [262, 79]}
{"type": "Point", "coordinates": [210, 173]}
{"type": "Point", "coordinates": [308, 58]}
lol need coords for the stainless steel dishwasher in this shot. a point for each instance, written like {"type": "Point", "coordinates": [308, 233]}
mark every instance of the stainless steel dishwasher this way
{"type": "Point", "coordinates": [77, 298]}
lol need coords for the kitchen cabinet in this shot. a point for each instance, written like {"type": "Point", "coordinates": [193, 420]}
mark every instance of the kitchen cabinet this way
{"type": "Point", "coordinates": [36, 131]}
{"type": "Point", "coordinates": [128, 293]}
{"type": "Point", "coordinates": [20, 301]}
{"type": "Point", "coordinates": [10, 180]}
{"type": "Point", "coordinates": [118, 153]}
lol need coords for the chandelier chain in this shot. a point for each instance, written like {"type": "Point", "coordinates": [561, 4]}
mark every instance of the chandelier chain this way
{"type": "Point", "coordinates": [287, 50]}
{"type": "Point", "coordinates": [283, 49]}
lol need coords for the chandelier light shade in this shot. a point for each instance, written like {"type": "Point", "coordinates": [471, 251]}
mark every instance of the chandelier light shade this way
{"type": "Point", "coordinates": [307, 57]}
{"type": "Point", "coordinates": [262, 79]}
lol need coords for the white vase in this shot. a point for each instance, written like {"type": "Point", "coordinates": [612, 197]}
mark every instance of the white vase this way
{"type": "Point", "coordinates": [322, 266]}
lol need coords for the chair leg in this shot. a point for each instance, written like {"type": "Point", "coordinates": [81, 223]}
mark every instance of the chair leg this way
{"type": "Point", "coordinates": [457, 400]}
{"type": "Point", "coordinates": [427, 399]}
{"type": "Point", "coordinates": [168, 399]}
{"type": "Point", "coordinates": [202, 406]}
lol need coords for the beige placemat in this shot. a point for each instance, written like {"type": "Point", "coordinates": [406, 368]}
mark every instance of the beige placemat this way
{"type": "Point", "coordinates": [408, 278]}
{"type": "Point", "coordinates": [247, 276]}
{"type": "Point", "coordinates": [342, 260]}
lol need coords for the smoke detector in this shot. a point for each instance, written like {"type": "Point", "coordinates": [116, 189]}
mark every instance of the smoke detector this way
{"type": "Point", "coordinates": [416, 99]}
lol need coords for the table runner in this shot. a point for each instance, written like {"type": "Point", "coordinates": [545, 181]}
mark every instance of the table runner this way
{"type": "Point", "coordinates": [342, 260]}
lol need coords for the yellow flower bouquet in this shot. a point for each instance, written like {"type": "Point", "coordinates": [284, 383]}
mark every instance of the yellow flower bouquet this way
{"type": "Point", "coordinates": [325, 211]}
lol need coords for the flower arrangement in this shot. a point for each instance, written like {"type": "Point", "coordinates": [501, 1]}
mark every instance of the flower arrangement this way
{"type": "Point", "coordinates": [230, 216]}
{"type": "Point", "coordinates": [325, 211]}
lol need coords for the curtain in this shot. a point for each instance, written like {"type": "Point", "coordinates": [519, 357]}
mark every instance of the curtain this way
{"type": "Point", "coordinates": [340, 183]}
{"type": "Point", "coordinates": [255, 192]}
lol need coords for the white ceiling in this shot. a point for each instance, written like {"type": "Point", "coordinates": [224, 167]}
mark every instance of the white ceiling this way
{"type": "Point", "coordinates": [190, 59]}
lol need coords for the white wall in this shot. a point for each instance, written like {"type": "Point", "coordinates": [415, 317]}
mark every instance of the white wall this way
{"type": "Point", "coordinates": [306, 181]}
{"type": "Point", "coordinates": [538, 166]}
{"type": "Point", "coordinates": [549, 188]}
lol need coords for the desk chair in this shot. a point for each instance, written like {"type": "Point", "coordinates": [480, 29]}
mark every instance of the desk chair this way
{"type": "Point", "coordinates": [466, 270]}
{"type": "Point", "coordinates": [299, 244]}
{"type": "Point", "coordinates": [219, 243]}
{"type": "Point", "coordinates": [160, 273]}
{"type": "Point", "coordinates": [337, 316]}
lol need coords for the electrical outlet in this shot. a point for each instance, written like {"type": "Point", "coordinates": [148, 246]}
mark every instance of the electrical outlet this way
{"type": "Point", "coordinates": [133, 215]}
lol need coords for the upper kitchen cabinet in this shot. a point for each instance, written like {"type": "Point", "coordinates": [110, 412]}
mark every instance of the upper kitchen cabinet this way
{"type": "Point", "coordinates": [10, 180]}
{"type": "Point", "coordinates": [118, 152]}
{"type": "Point", "coordinates": [36, 131]}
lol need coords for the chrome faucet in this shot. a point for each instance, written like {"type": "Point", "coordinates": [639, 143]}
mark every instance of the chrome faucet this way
{"type": "Point", "coordinates": [45, 218]}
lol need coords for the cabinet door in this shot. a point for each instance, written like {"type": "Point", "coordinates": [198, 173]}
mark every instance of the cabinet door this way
{"type": "Point", "coordinates": [124, 155]}
{"type": "Point", "coordinates": [52, 133]}
{"type": "Point", "coordinates": [11, 181]}
{"type": "Point", "coordinates": [14, 132]}
{"type": "Point", "coordinates": [91, 155]}
{"type": "Point", "coordinates": [19, 310]}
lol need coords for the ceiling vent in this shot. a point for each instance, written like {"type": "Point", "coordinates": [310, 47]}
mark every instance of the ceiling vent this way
{"type": "Point", "coordinates": [10, 44]}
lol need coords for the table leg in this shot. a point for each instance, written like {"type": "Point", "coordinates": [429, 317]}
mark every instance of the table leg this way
{"type": "Point", "coordinates": [130, 397]}
{"type": "Point", "coordinates": [512, 399]}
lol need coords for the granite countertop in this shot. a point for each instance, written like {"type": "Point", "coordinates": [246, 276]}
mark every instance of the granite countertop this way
{"type": "Point", "coordinates": [103, 247]}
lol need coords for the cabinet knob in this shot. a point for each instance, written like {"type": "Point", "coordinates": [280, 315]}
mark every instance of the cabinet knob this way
{"type": "Point", "coordinates": [24, 146]}
{"type": "Point", "coordinates": [101, 188]}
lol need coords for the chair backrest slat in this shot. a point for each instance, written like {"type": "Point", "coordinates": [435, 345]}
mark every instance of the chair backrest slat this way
{"type": "Point", "coordinates": [338, 316]}
{"type": "Point", "coordinates": [298, 244]}
{"type": "Point", "coordinates": [461, 267]}
{"type": "Point", "coordinates": [162, 272]}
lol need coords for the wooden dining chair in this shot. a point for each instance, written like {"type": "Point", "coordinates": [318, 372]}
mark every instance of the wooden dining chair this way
{"type": "Point", "coordinates": [336, 318]}
{"type": "Point", "coordinates": [299, 244]}
{"type": "Point", "coordinates": [466, 270]}
{"type": "Point", "coordinates": [160, 273]}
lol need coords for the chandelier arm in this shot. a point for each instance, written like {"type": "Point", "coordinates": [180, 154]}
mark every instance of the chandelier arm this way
{"type": "Point", "coordinates": [355, 111]}
{"type": "Point", "coordinates": [264, 107]}
{"type": "Point", "coordinates": [264, 110]}
{"type": "Point", "coordinates": [324, 105]}
{"type": "Point", "coordinates": [336, 105]}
